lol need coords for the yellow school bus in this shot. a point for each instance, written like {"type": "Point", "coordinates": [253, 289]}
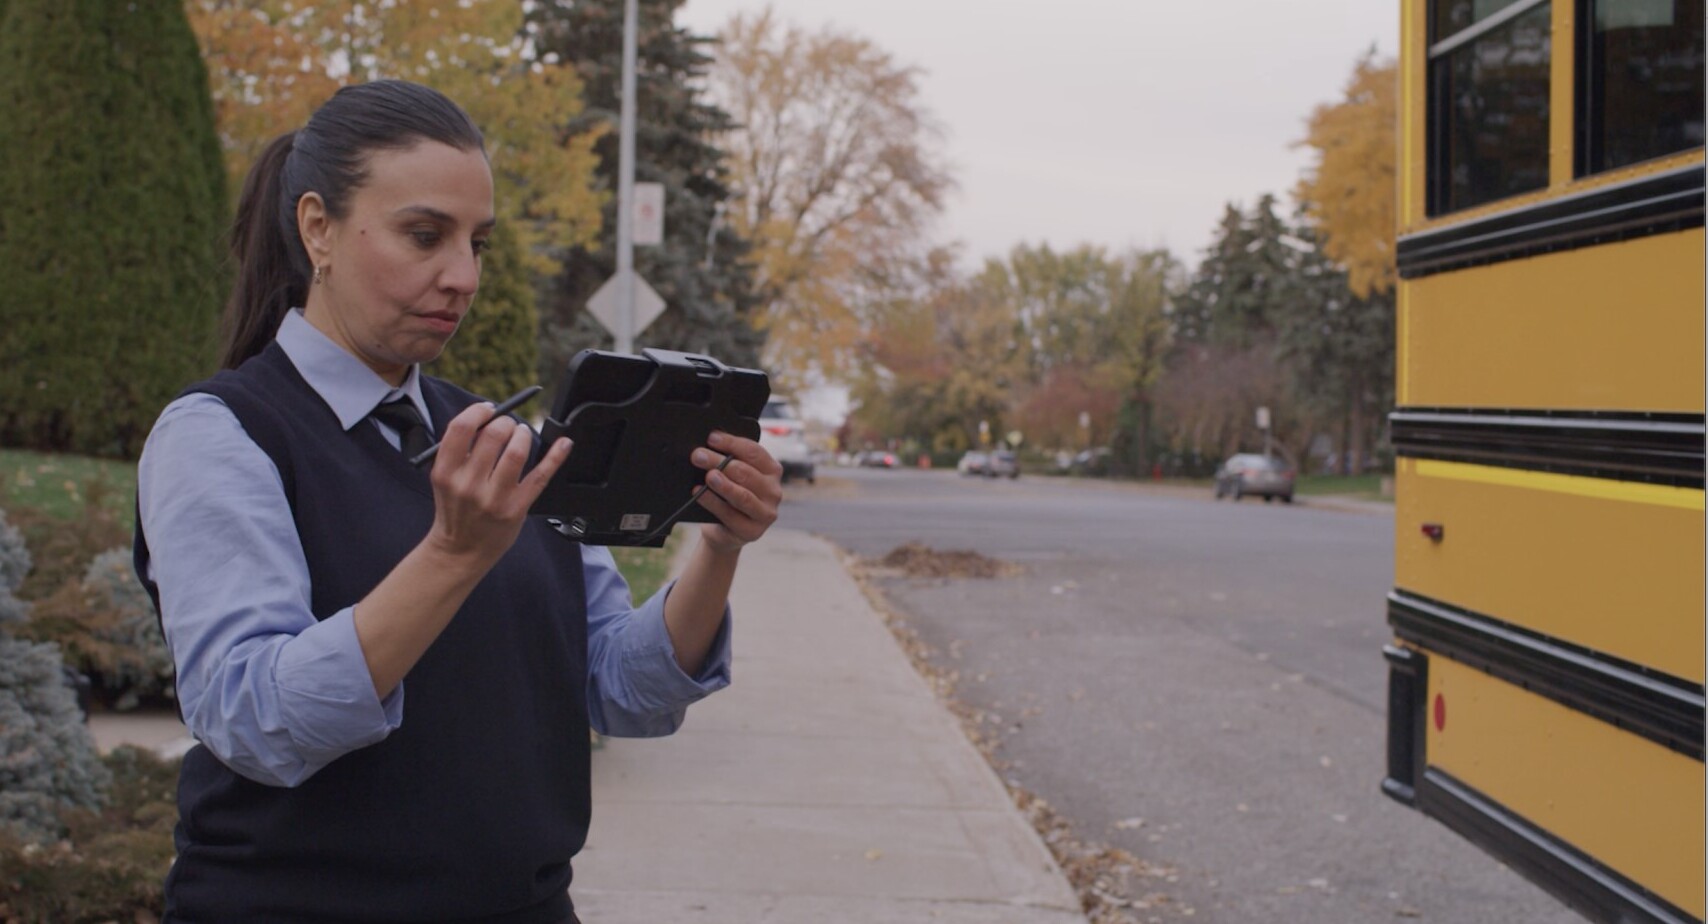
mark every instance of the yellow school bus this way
{"type": "Point", "coordinates": [1546, 676]}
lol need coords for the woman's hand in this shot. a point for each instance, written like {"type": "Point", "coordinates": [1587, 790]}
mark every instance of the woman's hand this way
{"type": "Point", "coordinates": [743, 496]}
{"type": "Point", "coordinates": [480, 497]}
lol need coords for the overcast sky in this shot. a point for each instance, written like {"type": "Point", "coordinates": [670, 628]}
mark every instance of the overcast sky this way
{"type": "Point", "coordinates": [1125, 123]}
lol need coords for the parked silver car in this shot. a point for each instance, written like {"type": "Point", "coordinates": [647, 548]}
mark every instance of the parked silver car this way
{"type": "Point", "coordinates": [1002, 464]}
{"type": "Point", "coordinates": [1267, 477]}
{"type": "Point", "coordinates": [784, 437]}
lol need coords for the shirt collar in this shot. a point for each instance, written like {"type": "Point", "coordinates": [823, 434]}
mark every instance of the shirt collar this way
{"type": "Point", "coordinates": [344, 382]}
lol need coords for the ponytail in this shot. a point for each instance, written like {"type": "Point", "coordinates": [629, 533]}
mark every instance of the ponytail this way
{"type": "Point", "coordinates": [272, 267]}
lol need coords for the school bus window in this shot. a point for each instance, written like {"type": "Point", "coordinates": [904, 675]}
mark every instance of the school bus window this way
{"type": "Point", "coordinates": [1640, 78]}
{"type": "Point", "coordinates": [1453, 15]}
{"type": "Point", "coordinates": [1488, 109]}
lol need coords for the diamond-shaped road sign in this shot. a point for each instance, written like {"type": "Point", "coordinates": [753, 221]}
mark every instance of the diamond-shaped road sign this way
{"type": "Point", "coordinates": [603, 305]}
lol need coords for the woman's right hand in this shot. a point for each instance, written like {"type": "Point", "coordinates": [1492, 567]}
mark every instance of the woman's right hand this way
{"type": "Point", "coordinates": [480, 497]}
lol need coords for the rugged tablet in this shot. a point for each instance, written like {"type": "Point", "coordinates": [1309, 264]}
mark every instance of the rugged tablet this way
{"type": "Point", "coordinates": [634, 421]}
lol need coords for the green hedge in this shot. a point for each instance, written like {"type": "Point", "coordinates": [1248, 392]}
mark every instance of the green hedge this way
{"type": "Point", "coordinates": [113, 205]}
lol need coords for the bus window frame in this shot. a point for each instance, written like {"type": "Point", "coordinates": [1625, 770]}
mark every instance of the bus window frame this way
{"type": "Point", "coordinates": [1587, 116]}
{"type": "Point", "coordinates": [1436, 160]}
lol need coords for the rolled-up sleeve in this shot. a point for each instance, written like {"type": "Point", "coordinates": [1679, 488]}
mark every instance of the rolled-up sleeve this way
{"type": "Point", "coordinates": [635, 688]}
{"type": "Point", "coordinates": [274, 693]}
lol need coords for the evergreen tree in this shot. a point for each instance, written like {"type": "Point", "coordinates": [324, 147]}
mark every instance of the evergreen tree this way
{"type": "Point", "coordinates": [701, 270]}
{"type": "Point", "coordinates": [113, 197]}
{"type": "Point", "coordinates": [1243, 282]}
{"type": "Point", "coordinates": [494, 352]}
{"type": "Point", "coordinates": [1338, 348]}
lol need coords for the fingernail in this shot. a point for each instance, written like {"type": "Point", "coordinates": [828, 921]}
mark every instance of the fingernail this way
{"type": "Point", "coordinates": [717, 438]}
{"type": "Point", "coordinates": [716, 479]}
{"type": "Point", "coordinates": [702, 457]}
{"type": "Point", "coordinates": [562, 443]}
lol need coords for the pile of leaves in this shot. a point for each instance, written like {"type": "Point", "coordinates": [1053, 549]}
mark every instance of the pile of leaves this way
{"type": "Point", "coordinates": [112, 861]}
{"type": "Point", "coordinates": [919, 560]}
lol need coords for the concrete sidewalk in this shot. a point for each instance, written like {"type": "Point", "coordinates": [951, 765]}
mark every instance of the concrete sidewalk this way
{"type": "Point", "coordinates": [827, 784]}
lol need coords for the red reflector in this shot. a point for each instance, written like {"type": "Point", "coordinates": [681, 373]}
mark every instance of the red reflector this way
{"type": "Point", "coordinates": [1435, 531]}
{"type": "Point", "coordinates": [778, 429]}
{"type": "Point", "coordinates": [1440, 713]}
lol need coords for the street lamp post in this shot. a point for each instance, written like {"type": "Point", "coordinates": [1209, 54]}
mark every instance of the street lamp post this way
{"type": "Point", "coordinates": [624, 335]}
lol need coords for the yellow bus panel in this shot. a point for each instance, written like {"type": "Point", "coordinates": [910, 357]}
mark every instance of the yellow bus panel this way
{"type": "Point", "coordinates": [1609, 565]}
{"type": "Point", "coordinates": [1632, 804]}
{"type": "Point", "coordinates": [1619, 327]}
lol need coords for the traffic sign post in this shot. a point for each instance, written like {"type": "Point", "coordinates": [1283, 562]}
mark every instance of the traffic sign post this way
{"type": "Point", "coordinates": [606, 306]}
{"type": "Point", "coordinates": [625, 304]}
{"type": "Point", "coordinates": [649, 214]}
{"type": "Point", "coordinates": [624, 328]}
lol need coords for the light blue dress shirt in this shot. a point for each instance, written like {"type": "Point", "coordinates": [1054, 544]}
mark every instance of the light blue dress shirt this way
{"type": "Point", "coordinates": [276, 694]}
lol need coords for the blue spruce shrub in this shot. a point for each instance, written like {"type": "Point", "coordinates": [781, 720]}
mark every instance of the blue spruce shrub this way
{"type": "Point", "coordinates": [14, 565]}
{"type": "Point", "coordinates": [139, 664]}
{"type": "Point", "coordinates": [47, 759]}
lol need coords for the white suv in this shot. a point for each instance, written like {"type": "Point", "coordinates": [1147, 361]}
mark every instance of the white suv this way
{"type": "Point", "coordinates": [784, 437]}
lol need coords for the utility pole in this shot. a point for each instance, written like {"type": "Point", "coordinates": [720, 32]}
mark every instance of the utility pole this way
{"type": "Point", "coordinates": [625, 329]}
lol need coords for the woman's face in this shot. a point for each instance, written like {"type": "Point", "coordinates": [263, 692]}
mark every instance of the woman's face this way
{"type": "Point", "coordinates": [401, 267]}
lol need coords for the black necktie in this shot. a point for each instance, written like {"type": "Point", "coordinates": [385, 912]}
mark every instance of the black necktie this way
{"type": "Point", "coordinates": [400, 415]}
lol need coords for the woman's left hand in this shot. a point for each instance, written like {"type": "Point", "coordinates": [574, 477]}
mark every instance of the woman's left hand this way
{"type": "Point", "coordinates": [743, 496]}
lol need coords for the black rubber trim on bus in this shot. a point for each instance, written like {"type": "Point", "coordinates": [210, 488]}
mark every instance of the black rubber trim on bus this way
{"type": "Point", "coordinates": [1624, 446]}
{"type": "Point", "coordinates": [1658, 706]}
{"type": "Point", "coordinates": [1655, 204]}
{"type": "Point", "coordinates": [1590, 887]}
{"type": "Point", "coordinates": [1408, 717]}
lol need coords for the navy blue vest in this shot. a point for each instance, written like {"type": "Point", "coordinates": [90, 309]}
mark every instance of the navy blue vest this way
{"type": "Point", "coordinates": [471, 810]}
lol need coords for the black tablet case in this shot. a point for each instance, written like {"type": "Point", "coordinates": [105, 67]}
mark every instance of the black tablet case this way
{"type": "Point", "coordinates": [634, 421]}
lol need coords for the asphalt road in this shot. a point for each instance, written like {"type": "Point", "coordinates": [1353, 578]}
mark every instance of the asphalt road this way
{"type": "Point", "coordinates": [1198, 682]}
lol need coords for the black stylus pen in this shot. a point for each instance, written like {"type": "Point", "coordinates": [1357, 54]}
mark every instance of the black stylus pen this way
{"type": "Point", "coordinates": [510, 404]}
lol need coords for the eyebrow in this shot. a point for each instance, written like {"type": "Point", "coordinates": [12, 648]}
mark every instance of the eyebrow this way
{"type": "Point", "coordinates": [437, 215]}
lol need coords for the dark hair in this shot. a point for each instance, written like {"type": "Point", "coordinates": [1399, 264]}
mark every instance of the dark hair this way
{"type": "Point", "coordinates": [328, 156]}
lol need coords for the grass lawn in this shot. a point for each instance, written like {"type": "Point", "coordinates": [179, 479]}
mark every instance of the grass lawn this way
{"type": "Point", "coordinates": [647, 569]}
{"type": "Point", "coordinates": [57, 484]}
{"type": "Point", "coordinates": [1364, 487]}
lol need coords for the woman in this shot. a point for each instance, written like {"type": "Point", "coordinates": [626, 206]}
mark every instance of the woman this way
{"type": "Point", "coordinates": [391, 673]}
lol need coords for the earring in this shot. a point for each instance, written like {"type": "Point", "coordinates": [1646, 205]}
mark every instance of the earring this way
{"type": "Point", "coordinates": [319, 275]}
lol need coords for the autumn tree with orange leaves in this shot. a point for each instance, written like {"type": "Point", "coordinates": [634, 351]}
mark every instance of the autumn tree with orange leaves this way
{"type": "Point", "coordinates": [272, 62]}
{"type": "Point", "coordinates": [838, 171]}
{"type": "Point", "coordinates": [1349, 193]}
